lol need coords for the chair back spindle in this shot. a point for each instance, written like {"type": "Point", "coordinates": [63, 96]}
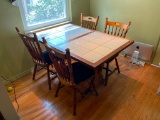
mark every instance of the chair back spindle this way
{"type": "Point", "coordinates": [89, 22]}
{"type": "Point", "coordinates": [116, 28]}
{"type": "Point", "coordinates": [33, 47]}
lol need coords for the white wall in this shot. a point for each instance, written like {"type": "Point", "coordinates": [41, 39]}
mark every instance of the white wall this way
{"type": "Point", "coordinates": [6, 106]}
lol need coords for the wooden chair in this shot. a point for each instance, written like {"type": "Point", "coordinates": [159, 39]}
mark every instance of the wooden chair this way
{"type": "Point", "coordinates": [116, 29]}
{"type": "Point", "coordinates": [89, 22]}
{"type": "Point", "coordinates": [39, 57]}
{"type": "Point", "coordinates": [70, 74]}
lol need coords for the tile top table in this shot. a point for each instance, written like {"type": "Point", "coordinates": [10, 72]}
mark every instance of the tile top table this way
{"type": "Point", "coordinates": [88, 46]}
{"type": "Point", "coordinates": [62, 33]}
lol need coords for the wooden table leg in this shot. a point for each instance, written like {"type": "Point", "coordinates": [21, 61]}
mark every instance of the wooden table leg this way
{"type": "Point", "coordinates": [98, 74]}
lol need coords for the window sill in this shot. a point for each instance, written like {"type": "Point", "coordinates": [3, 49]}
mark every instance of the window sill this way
{"type": "Point", "coordinates": [48, 27]}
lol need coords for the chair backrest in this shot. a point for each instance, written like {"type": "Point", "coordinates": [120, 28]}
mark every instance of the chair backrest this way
{"type": "Point", "coordinates": [116, 28]}
{"type": "Point", "coordinates": [89, 22]}
{"type": "Point", "coordinates": [62, 64]}
{"type": "Point", "coordinates": [33, 47]}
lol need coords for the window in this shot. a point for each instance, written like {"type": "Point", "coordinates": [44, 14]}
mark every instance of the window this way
{"type": "Point", "coordinates": [41, 13]}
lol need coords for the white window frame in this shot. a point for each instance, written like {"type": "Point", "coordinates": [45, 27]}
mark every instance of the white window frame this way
{"type": "Point", "coordinates": [43, 25]}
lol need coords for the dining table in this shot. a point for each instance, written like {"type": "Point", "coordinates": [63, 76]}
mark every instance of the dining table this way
{"type": "Point", "coordinates": [90, 47]}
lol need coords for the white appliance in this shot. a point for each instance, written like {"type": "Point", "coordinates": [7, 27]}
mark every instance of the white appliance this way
{"type": "Point", "coordinates": [145, 50]}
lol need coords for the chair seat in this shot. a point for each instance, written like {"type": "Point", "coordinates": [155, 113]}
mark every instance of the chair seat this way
{"type": "Point", "coordinates": [47, 58]}
{"type": "Point", "coordinates": [81, 72]}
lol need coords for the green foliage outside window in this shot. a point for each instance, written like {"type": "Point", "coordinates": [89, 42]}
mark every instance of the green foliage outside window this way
{"type": "Point", "coordinates": [44, 10]}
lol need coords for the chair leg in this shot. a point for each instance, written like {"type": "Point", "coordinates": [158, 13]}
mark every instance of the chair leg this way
{"type": "Point", "coordinates": [34, 72]}
{"type": "Point", "coordinates": [117, 65]}
{"type": "Point", "coordinates": [49, 80]}
{"type": "Point", "coordinates": [74, 101]}
{"type": "Point", "coordinates": [57, 91]}
{"type": "Point", "coordinates": [106, 77]}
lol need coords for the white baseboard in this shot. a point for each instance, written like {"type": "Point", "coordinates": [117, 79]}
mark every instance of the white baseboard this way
{"type": "Point", "coordinates": [155, 65]}
{"type": "Point", "coordinates": [18, 76]}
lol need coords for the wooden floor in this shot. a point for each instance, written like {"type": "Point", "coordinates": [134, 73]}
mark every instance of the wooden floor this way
{"type": "Point", "coordinates": [130, 95]}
